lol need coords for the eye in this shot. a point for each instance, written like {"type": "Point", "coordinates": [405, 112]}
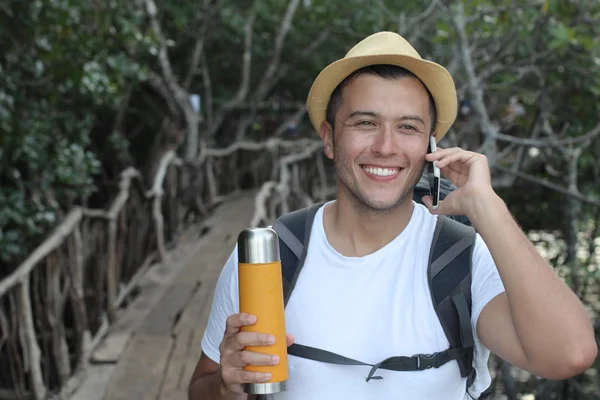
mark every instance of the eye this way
{"type": "Point", "coordinates": [365, 123]}
{"type": "Point", "coordinates": [408, 127]}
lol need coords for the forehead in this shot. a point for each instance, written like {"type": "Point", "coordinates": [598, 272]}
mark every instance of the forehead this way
{"type": "Point", "coordinates": [367, 91]}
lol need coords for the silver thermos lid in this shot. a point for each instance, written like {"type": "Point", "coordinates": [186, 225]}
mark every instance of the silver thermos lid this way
{"type": "Point", "coordinates": [258, 245]}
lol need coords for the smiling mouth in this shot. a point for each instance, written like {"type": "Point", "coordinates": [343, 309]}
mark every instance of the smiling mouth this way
{"type": "Point", "coordinates": [380, 171]}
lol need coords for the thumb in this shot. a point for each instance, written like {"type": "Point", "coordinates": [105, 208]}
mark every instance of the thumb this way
{"type": "Point", "coordinates": [289, 339]}
{"type": "Point", "coordinates": [429, 204]}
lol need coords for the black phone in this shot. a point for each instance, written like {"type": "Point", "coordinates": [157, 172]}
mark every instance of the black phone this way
{"type": "Point", "coordinates": [433, 174]}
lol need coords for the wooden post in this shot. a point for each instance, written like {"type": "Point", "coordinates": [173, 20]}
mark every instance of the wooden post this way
{"type": "Point", "coordinates": [29, 341]}
{"type": "Point", "coordinates": [112, 281]}
{"type": "Point", "coordinates": [56, 303]}
{"type": "Point", "coordinates": [77, 296]}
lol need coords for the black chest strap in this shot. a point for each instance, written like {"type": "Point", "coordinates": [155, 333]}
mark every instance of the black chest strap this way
{"type": "Point", "coordinates": [418, 362]}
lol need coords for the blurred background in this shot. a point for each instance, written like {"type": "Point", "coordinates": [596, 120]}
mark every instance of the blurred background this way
{"type": "Point", "coordinates": [124, 122]}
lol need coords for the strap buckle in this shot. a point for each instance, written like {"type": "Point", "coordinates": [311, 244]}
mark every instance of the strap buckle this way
{"type": "Point", "coordinates": [427, 361]}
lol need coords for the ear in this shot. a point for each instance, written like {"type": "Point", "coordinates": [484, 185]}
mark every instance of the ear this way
{"type": "Point", "coordinates": [326, 133]}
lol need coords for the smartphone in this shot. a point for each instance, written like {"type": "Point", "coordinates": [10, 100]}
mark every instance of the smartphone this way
{"type": "Point", "coordinates": [433, 173]}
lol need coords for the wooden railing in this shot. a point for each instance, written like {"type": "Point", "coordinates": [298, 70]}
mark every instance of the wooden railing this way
{"type": "Point", "coordinates": [58, 305]}
{"type": "Point", "coordinates": [304, 178]}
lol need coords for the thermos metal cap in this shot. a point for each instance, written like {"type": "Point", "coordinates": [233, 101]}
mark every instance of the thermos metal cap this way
{"type": "Point", "coordinates": [258, 245]}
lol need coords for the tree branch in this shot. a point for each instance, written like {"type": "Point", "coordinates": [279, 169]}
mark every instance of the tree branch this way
{"type": "Point", "coordinates": [284, 28]}
{"type": "Point", "coordinates": [158, 83]}
{"type": "Point", "coordinates": [294, 118]}
{"type": "Point", "coordinates": [208, 93]}
{"type": "Point", "coordinates": [286, 68]}
{"type": "Point", "coordinates": [245, 80]}
{"type": "Point", "coordinates": [552, 141]}
{"type": "Point", "coordinates": [415, 27]}
{"type": "Point", "coordinates": [270, 77]}
{"type": "Point", "coordinates": [535, 132]}
{"type": "Point", "coordinates": [163, 57]}
{"type": "Point", "coordinates": [179, 94]}
{"type": "Point", "coordinates": [197, 52]}
{"type": "Point", "coordinates": [475, 86]}
{"type": "Point", "coordinates": [549, 185]}
{"type": "Point", "coordinates": [257, 146]}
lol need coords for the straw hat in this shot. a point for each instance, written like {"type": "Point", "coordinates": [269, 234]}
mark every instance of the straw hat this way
{"type": "Point", "coordinates": [386, 48]}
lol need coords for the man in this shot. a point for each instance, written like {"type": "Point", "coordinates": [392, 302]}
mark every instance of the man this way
{"type": "Point", "coordinates": [363, 290]}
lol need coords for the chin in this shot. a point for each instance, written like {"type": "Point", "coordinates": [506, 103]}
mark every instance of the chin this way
{"type": "Point", "coordinates": [372, 198]}
{"type": "Point", "coordinates": [381, 204]}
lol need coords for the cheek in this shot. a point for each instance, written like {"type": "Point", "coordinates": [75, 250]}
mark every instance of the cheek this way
{"type": "Point", "coordinates": [357, 144]}
{"type": "Point", "coordinates": [414, 147]}
{"type": "Point", "coordinates": [347, 147]}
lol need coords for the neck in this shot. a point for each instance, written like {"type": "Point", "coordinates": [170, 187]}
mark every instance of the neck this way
{"type": "Point", "coordinates": [355, 231]}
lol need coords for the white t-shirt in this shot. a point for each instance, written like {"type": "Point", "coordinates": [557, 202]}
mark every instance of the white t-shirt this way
{"type": "Point", "coordinates": [368, 309]}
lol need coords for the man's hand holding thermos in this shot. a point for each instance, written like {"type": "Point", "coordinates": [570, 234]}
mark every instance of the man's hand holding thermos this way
{"type": "Point", "coordinates": [234, 358]}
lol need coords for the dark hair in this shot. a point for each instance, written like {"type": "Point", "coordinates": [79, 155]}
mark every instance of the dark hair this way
{"type": "Point", "coordinates": [386, 71]}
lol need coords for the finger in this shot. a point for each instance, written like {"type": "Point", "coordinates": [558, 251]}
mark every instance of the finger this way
{"type": "Point", "coordinates": [242, 358]}
{"type": "Point", "coordinates": [446, 160]}
{"type": "Point", "coordinates": [289, 339]}
{"type": "Point", "coordinates": [236, 376]}
{"type": "Point", "coordinates": [440, 152]}
{"type": "Point", "coordinates": [236, 321]}
{"type": "Point", "coordinates": [242, 339]}
{"type": "Point", "coordinates": [428, 203]}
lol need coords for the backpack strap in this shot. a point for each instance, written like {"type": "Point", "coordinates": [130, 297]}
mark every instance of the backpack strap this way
{"type": "Point", "coordinates": [293, 230]}
{"type": "Point", "coordinates": [449, 275]}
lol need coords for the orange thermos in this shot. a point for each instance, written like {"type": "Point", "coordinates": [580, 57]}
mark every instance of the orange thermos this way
{"type": "Point", "coordinates": [261, 294]}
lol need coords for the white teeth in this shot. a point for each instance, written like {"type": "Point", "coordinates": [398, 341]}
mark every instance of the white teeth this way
{"type": "Point", "coordinates": [381, 171]}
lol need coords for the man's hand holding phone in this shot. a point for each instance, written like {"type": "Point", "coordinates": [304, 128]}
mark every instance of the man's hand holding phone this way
{"type": "Point", "coordinates": [469, 172]}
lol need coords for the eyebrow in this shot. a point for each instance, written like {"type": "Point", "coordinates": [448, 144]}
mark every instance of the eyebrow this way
{"type": "Point", "coordinates": [374, 114]}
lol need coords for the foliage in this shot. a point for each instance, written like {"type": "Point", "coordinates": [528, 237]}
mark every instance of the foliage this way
{"type": "Point", "coordinates": [63, 62]}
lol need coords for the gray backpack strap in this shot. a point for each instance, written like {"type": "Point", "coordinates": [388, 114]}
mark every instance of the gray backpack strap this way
{"type": "Point", "coordinates": [288, 238]}
{"type": "Point", "coordinates": [449, 275]}
{"type": "Point", "coordinates": [293, 230]}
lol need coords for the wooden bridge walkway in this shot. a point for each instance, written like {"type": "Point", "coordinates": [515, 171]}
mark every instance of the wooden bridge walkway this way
{"type": "Point", "coordinates": [154, 360]}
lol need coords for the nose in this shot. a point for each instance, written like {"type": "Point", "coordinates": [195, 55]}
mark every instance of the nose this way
{"type": "Point", "coordinates": [383, 144]}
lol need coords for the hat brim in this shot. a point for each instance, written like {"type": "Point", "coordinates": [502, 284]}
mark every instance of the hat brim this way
{"type": "Point", "coordinates": [436, 78]}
